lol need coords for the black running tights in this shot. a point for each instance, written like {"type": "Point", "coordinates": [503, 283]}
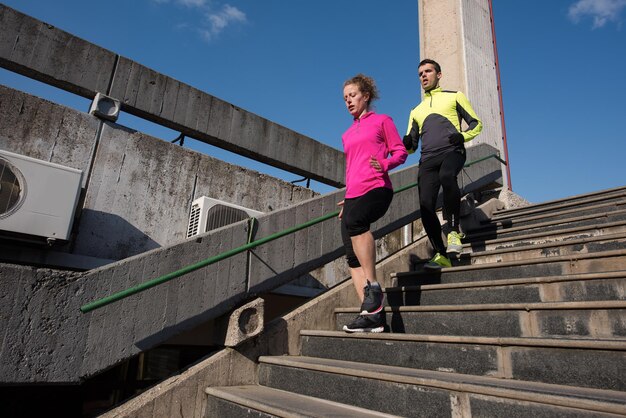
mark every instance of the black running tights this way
{"type": "Point", "coordinates": [440, 171]}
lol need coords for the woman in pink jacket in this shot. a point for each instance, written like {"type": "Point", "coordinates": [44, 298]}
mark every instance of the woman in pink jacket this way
{"type": "Point", "coordinates": [373, 147]}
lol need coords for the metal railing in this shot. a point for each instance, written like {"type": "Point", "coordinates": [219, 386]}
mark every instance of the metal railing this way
{"type": "Point", "coordinates": [250, 245]}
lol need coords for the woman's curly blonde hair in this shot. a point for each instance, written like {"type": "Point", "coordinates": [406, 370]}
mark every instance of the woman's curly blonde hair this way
{"type": "Point", "coordinates": [366, 85]}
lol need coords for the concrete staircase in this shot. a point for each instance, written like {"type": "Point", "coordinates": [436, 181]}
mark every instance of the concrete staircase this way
{"type": "Point", "coordinates": [531, 320]}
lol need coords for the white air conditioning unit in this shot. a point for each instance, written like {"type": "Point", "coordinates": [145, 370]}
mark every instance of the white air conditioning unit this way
{"type": "Point", "coordinates": [37, 197]}
{"type": "Point", "coordinates": [207, 214]}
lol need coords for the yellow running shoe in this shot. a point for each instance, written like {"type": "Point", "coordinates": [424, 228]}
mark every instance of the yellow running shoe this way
{"type": "Point", "coordinates": [454, 243]}
{"type": "Point", "coordinates": [437, 262]}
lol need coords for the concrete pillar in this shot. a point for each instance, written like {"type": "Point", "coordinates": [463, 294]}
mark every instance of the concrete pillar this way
{"type": "Point", "coordinates": [458, 35]}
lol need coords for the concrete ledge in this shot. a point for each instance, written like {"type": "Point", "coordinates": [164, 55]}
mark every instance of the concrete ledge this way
{"type": "Point", "coordinates": [35, 49]}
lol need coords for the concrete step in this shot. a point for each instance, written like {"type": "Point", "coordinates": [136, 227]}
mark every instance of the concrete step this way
{"type": "Point", "coordinates": [608, 206]}
{"type": "Point", "coordinates": [596, 319]}
{"type": "Point", "coordinates": [262, 401]}
{"type": "Point", "coordinates": [427, 393]}
{"type": "Point", "coordinates": [564, 204]}
{"type": "Point", "coordinates": [595, 262]}
{"type": "Point", "coordinates": [475, 244]}
{"type": "Point", "coordinates": [546, 249]}
{"type": "Point", "coordinates": [498, 230]}
{"type": "Point", "coordinates": [566, 288]}
{"type": "Point", "coordinates": [599, 363]}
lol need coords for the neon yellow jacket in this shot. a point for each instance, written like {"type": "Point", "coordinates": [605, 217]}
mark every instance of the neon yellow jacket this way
{"type": "Point", "coordinates": [437, 117]}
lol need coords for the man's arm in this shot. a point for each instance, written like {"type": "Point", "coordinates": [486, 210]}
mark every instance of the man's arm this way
{"type": "Point", "coordinates": [466, 112]}
{"type": "Point", "coordinates": [411, 139]}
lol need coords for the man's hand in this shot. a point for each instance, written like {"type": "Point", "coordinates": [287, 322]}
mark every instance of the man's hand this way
{"type": "Point", "coordinates": [456, 138]}
{"type": "Point", "coordinates": [408, 142]}
{"type": "Point", "coordinates": [411, 139]}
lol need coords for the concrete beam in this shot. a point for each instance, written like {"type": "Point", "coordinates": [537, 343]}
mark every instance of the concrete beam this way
{"type": "Point", "coordinates": [41, 51]}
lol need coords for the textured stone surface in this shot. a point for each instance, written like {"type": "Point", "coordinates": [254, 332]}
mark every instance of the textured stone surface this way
{"type": "Point", "coordinates": [217, 407]}
{"type": "Point", "coordinates": [457, 358]}
{"type": "Point", "coordinates": [476, 323]}
{"type": "Point", "coordinates": [511, 199]}
{"type": "Point", "coordinates": [140, 188]}
{"type": "Point", "coordinates": [587, 368]}
{"type": "Point", "coordinates": [586, 263]}
{"type": "Point", "coordinates": [486, 406]}
{"type": "Point", "coordinates": [46, 131]}
{"type": "Point", "coordinates": [45, 53]}
{"type": "Point", "coordinates": [377, 395]}
{"type": "Point", "coordinates": [512, 294]}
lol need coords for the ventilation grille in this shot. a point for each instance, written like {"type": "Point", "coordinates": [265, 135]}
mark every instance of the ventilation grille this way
{"type": "Point", "coordinates": [194, 220]}
{"type": "Point", "coordinates": [220, 215]}
{"type": "Point", "coordinates": [208, 214]}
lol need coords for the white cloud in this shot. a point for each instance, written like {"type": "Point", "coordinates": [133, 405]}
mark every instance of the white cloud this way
{"type": "Point", "coordinates": [211, 20]}
{"type": "Point", "coordinates": [188, 3]}
{"type": "Point", "coordinates": [218, 21]}
{"type": "Point", "coordinates": [602, 11]}
{"type": "Point", "coordinates": [193, 3]}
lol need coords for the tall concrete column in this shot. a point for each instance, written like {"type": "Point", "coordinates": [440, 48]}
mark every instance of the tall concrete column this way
{"type": "Point", "coordinates": [458, 35]}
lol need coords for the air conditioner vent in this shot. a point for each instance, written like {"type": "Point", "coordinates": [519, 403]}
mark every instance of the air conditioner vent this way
{"type": "Point", "coordinates": [207, 214]}
{"type": "Point", "coordinates": [12, 188]}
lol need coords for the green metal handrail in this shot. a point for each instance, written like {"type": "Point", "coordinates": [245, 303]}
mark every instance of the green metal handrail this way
{"type": "Point", "coordinates": [496, 156]}
{"type": "Point", "coordinates": [211, 260]}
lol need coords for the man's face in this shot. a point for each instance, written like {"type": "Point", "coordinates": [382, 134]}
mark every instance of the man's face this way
{"type": "Point", "coordinates": [429, 77]}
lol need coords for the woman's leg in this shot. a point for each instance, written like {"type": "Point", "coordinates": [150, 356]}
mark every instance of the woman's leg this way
{"type": "Point", "coordinates": [356, 271]}
{"type": "Point", "coordinates": [365, 251]}
{"type": "Point", "coordinates": [358, 214]}
{"type": "Point", "coordinates": [359, 281]}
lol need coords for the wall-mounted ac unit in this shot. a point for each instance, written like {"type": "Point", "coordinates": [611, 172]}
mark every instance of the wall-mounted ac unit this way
{"type": "Point", "coordinates": [207, 214]}
{"type": "Point", "coordinates": [37, 197]}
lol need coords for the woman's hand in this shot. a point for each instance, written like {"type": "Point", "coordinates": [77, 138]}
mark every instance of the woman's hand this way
{"type": "Point", "coordinates": [341, 211]}
{"type": "Point", "coordinates": [375, 164]}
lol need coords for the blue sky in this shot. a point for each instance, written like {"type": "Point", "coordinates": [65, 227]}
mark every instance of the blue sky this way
{"type": "Point", "coordinates": [563, 71]}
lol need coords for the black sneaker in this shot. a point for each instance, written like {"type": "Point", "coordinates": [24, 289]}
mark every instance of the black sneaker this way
{"type": "Point", "coordinates": [367, 323]}
{"type": "Point", "coordinates": [373, 300]}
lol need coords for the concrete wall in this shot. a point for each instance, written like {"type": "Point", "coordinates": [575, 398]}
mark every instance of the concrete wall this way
{"type": "Point", "coordinates": [137, 189]}
{"type": "Point", "coordinates": [43, 52]}
{"type": "Point", "coordinates": [57, 343]}
{"type": "Point", "coordinates": [457, 34]}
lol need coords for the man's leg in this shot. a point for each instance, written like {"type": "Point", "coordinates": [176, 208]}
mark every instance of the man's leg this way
{"type": "Point", "coordinates": [450, 168]}
{"type": "Point", "coordinates": [428, 184]}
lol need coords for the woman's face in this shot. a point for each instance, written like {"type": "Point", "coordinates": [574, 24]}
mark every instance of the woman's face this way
{"type": "Point", "coordinates": [356, 101]}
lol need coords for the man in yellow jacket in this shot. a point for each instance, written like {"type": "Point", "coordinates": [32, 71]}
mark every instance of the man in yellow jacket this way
{"type": "Point", "coordinates": [437, 121]}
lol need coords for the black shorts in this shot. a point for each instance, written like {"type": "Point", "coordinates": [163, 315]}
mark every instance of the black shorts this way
{"type": "Point", "coordinates": [359, 213]}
